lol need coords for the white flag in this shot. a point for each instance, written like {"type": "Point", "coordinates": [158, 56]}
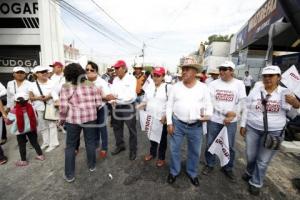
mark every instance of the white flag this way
{"type": "Point", "coordinates": [291, 79]}
{"type": "Point", "coordinates": [153, 128]}
{"type": "Point", "coordinates": [220, 147]}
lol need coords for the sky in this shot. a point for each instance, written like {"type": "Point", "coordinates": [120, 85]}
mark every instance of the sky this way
{"type": "Point", "coordinates": [170, 29]}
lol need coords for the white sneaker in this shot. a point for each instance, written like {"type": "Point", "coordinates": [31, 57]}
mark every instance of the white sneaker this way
{"type": "Point", "coordinates": [92, 169]}
{"type": "Point", "coordinates": [51, 148]}
{"type": "Point", "coordinates": [44, 146]}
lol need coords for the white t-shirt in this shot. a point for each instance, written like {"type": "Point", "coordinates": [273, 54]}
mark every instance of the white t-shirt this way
{"type": "Point", "coordinates": [187, 103]}
{"type": "Point", "coordinates": [103, 86]}
{"type": "Point", "coordinates": [13, 89]}
{"type": "Point", "coordinates": [124, 89]}
{"type": "Point", "coordinates": [168, 78]}
{"type": "Point", "coordinates": [226, 96]}
{"type": "Point", "coordinates": [156, 99]}
{"type": "Point", "coordinates": [277, 109]}
{"type": "Point", "coordinates": [2, 90]}
{"type": "Point", "coordinates": [58, 80]}
{"type": "Point", "coordinates": [248, 80]}
{"type": "Point", "coordinates": [47, 89]}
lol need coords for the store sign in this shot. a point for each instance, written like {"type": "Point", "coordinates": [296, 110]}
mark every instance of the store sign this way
{"type": "Point", "coordinates": [259, 24]}
{"type": "Point", "coordinates": [19, 14]}
{"type": "Point", "coordinates": [13, 62]}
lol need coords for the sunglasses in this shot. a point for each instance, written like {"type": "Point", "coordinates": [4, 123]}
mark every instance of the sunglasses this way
{"type": "Point", "coordinates": [43, 72]}
{"type": "Point", "coordinates": [20, 72]}
{"type": "Point", "coordinates": [224, 68]}
{"type": "Point", "coordinates": [89, 70]}
{"type": "Point", "coordinates": [269, 75]}
{"type": "Point", "coordinates": [156, 76]}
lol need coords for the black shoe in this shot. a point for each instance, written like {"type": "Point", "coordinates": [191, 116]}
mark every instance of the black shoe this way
{"type": "Point", "coordinates": [132, 155]}
{"type": "Point", "coordinates": [171, 179]}
{"type": "Point", "coordinates": [229, 174]}
{"type": "Point", "coordinates": [254, 190]}
{"type": "Point", "coordinates": [207, 170]}
{"type": "Point", "coordinates": [246, 177]}
{"type": "Point", "coordinates": [3, 141]}
{"type": "Point", "coordinates": [296, 183]}
{"type": "Point", "coordinates": [194, 181]}
{"type": "Point", "coordinates": [117, 150]}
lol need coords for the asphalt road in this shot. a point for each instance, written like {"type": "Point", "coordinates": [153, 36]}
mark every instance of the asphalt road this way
{"type": "Point", "coordinates": [133, 179]}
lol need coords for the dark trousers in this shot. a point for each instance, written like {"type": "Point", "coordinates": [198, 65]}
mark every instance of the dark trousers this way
{"type": "Point", "coordinates": [125, 114]}
{"type": "Point", "coordinates": [4, 132]}
{"type": "Point", "coordinates": [162, 145]}
{"type": "Point", "coordinates": [102, 128]}
{"type": "Point", "coordinates": [248, 88]}
{"type": "Point", "coordinates": [32, 136]}
{"type": "Point", "coordinates": [73, 136]}
{"type": "Point", "coordinates": [1, 153]}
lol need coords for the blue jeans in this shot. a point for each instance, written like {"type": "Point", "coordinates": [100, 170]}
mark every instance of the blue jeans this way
{"type": "Point", "coordinates": [73, 135]}
{"type": "Point", "coordinates": [194, 139]}
{"type": "Point", "coordinates": [213, 131]}
{"type": "Point", "coordinates": [258, 157]}
{"type": "Point", "coordinates": [102, 128]}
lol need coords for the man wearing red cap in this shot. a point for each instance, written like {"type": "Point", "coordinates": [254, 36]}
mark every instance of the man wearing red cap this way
{"type": "Point", "coordinates": [58, 79]}
{"type": "Point", "coordinates": [123, 89]}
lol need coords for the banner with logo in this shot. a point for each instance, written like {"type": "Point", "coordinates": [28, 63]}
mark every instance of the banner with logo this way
{"type": "Point", "coordinates": [153, 128]}
{"type": "Point", "coordinates": [291, 79]}
{"type": "Point", "coordinates": [220, 147]}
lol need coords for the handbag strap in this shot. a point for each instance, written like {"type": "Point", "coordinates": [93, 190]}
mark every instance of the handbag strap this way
{"type": "Point", "coordinates": [40, 90]}
{"type": "Point", "coordinates": [264, 102]}
{"type": "Point", "coordinates": [15, 87]}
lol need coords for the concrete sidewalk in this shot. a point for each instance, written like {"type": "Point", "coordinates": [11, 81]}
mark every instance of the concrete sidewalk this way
{"type": "Point", "coordinates": [133, 179]}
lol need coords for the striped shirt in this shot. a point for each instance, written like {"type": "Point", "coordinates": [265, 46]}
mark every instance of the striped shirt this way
{"type": "Point", "coordinates": [78, 104]}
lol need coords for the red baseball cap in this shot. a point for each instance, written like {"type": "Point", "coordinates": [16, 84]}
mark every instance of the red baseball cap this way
{"type": "Point", "coordinates": [57, 63]}
{"type": "Point", "coordinates": [119, 63]}
{"type": "Point", "coordinates": [159, 71]}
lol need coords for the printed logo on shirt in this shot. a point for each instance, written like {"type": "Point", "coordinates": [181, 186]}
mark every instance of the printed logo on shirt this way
{"type": "Point", "coordinates": [272, 106]}
{"type": "Point", "coordinates": [224, 95]}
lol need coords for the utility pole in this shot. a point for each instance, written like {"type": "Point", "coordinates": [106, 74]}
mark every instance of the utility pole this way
{"type": "Point", "coordinates": [143, 52]}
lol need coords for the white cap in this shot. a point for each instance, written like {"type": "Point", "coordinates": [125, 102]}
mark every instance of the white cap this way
{"type": "Point", "coordinates": [40, 68]}
{"type": "Point", "coordinates": [50, 69]}
{"type": "Point", "coordinates": [272, 69]}
{"type": "Point", "coordinates": [18, 69]}
{"type": "Point", "coordinates": [21, 94]}
{"type": "Point", "coordinates": [227, 64]}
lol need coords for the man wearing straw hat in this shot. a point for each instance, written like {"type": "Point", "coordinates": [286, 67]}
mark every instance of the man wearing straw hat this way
{"type": "Point", "coordinates": [189, 104]}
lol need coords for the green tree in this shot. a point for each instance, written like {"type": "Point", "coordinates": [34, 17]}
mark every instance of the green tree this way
{"type": "Point", "coordinates": [218, 38]}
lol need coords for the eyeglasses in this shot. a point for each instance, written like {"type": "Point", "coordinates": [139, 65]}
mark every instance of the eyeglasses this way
{"type": "Point", "coordinates": [43, 72]}
{"type": "Point", "coordinates": [224, 68]}
{"type": "Point", "coordinates": [268, 75]}
{"type": "Point", "coordinates": [89, 70]}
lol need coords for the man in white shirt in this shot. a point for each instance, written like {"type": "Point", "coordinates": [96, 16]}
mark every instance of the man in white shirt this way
{"type": "Point", "coordinates": [189, 104]}
{"type": "Point", "coordinates": [58, 76]}
{"type": "Point", "coordinates": [227, 95]}
{"type": "Point", "coordinates": [248, 82]}
{"type": "Point", "coordinates": [123, 90]}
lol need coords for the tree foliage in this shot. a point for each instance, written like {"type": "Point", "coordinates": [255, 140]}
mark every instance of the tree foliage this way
{"type": "Point", "coordinates": [218, 38]}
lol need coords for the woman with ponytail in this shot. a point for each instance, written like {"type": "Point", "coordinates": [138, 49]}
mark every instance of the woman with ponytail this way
{"type": "Point", "coordinates": [24, 123]}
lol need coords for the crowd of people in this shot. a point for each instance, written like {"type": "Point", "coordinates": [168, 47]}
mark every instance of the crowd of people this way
{"type": "Point", "coordinates": [196, 106]}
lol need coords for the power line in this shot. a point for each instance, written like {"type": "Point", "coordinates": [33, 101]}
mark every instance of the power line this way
{"type": "Point", "coordinates": [98, 27]}
{"type": "Point", "coordinates": [105, 12]}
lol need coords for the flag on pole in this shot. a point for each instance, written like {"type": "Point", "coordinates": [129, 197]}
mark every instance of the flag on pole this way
{"type": "Point", "coordinates": [220, 147]}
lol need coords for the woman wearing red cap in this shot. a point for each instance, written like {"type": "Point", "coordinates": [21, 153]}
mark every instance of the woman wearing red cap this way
{"type": "Point", "coordinates": [155, 101]}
